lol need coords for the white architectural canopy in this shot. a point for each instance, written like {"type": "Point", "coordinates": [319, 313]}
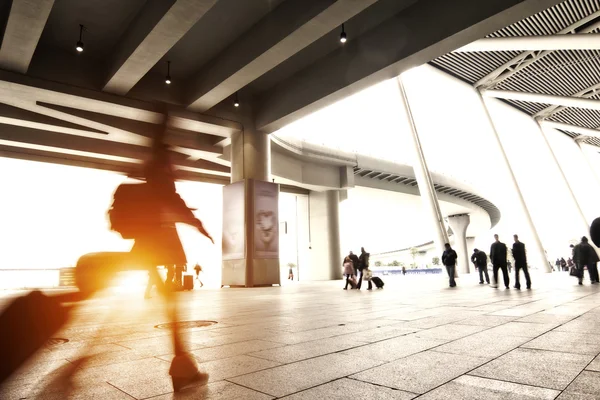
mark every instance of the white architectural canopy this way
{"type": "Point", "coordinates": [547, 65]}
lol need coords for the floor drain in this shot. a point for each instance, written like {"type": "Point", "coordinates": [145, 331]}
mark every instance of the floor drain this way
{"type": "Point", "coordinates": [186, 324]}
{"type": "Point", "coordinates": [53, 342]}
{"type": "Point", "coordinates": [342, 325]}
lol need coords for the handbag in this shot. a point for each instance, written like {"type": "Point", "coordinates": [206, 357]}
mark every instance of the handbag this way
{"type": "Point", "coordinates": [575, 272]}
{"type": "Point", "coordinates": [368, 275]}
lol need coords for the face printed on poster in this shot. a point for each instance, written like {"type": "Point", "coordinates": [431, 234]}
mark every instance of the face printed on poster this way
{"type": "Point", "coordinates": [234, 239]}
{"type": "Point", "coordinates": [266, 220]}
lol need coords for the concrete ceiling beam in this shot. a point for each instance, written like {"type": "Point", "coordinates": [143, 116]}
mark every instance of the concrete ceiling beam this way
{"type": "Point", "coordinates": [291, 27]}
{"type": "Point", "coordinates": [25, 24]}
{"type": "Point", "coordinates": [408, 39]}
{"type": "Point", "coordinates": [39, 139]}
{"type": "Point", "coordinates": [158, 27]}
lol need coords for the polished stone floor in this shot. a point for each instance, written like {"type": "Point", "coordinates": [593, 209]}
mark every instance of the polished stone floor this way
{"type": "Point", "coordinates": [414, 339]}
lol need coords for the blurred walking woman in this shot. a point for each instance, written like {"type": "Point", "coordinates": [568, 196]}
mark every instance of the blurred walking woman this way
{"type": "Point", "coordinates": [147, 212]}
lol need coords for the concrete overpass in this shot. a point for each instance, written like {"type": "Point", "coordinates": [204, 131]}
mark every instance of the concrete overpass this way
{"type": "Point", "coordinates": [57, 126]}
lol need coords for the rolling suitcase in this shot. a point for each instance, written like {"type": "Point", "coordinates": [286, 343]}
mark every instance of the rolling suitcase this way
{"type": "Point", "coordinates": [188, 282]}
{"type": "Point", "coordinates": [26, 324]}
{"type": "Point", "coordinates": [377, 282]}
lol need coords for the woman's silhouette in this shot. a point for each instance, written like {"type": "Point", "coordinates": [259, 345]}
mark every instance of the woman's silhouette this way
{"type": "Point", "coordinates": [146, 212]}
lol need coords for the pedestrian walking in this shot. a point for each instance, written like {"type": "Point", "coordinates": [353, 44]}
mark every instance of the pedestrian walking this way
{"type": "Point", "coordinates": [198, 269]}
{"type": "Point", "coordinates": [449, 260]}
{"type": "Point", "coordinates": [498, 254]}
{"type": "Point", "coordinates": [563, 264]}
{"type": "Point", "coordinates": [348, 272]}
{"type": "Point", "coordinates": [585, 255]}
{"type": "Point", "coordinates": [520, 256]}
{"type": "Point", "coordinates": [368, 276]}
{"type": "Point", "coordinates": [363, 263]}
{"type": "Point", "coordinates": [479, 259]}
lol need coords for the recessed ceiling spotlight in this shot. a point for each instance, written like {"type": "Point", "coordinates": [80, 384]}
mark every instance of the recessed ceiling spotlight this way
{"type": "Point", "coordinates": [168, 77]}
{"type": "Point", "coordinates": [343, 37]}
{"type": "Point", "coordinates": [79, 46]}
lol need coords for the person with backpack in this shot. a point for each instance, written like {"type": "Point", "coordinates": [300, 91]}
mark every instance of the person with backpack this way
{"type": "Point", "coordinates": [147, 212]}
{"type": "Point", "coordinates": [449, 257]}
{"type": "Point", "coordinates": [479, 258]}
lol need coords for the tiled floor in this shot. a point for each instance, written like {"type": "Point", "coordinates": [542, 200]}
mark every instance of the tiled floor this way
{"type": "Point", "coordinates": [414, 339]}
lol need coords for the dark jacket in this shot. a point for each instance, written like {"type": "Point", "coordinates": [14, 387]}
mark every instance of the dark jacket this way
{"type": "Point", "coordinates": [355, 261]}
{"type": "Point", "coordinates": [479, 259]}
{"type": "Point", "coordinates": [518, 252]}
{"type": "Point", "coordinates": [584, 254]}
{"type": "Point", "coordinates": [363, 260]}
{"type": "Point", "coordinates": [498, 254]}
{"type": "Point", "coordinates": [449, 258]}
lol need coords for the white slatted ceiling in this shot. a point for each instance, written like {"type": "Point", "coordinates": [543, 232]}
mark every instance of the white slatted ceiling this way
{"type": "Point", "coordinates": [562, 73]}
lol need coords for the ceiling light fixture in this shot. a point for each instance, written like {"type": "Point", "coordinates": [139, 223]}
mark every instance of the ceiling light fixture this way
{"type": "Point", "coordinates": [168, 77]}
{"type": "Point", "coordinates": [236, 103]}
{"type": "Point", "coordinates": [79, 46]}
{"type": "Point", "coordinates": [343, 36]}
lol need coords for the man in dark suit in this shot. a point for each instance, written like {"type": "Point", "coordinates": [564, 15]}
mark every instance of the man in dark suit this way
{"type": "Point", "coordinates": [363, 263]}
{"type": "Point", "coordinates": [480, 260]}
{"type": "Point", "coordinates": [498, 257]}
{"type": "Point", "coordinates": [585, 255]}
{"type": "Point", "coordinates": [449, 260]}
{"type": "Point", "coordinates": [520, 256]}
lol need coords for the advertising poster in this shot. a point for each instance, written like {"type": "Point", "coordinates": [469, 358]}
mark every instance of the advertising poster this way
{"type": "Point", "coordinates": [266, 220]}
{"type": "Point", "coordinates": [234, 238]}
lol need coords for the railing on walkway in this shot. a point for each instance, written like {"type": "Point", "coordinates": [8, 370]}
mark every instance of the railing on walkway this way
{"type": "Point", "coordinates": [31, 278]}
{"type": "Point", "coordinates": [420, 271]}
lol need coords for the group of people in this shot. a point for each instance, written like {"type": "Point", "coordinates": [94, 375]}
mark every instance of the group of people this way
{"type": "Point", "coordinates": [563, 265]}
{"type": "Point", "coordinates": [584, 257]}
{"type": "Point", "coordinates": [499, 259]}
{"type": "Point", "coordinates": [357, 266]}
{"type": "Point", "coordinates": [174, 279]}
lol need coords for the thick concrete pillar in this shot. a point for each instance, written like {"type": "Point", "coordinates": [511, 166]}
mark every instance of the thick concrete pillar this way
{"type": "Point", "coordinates": [250, 212]}
{"type": "Point", "coordinates": [459, 224]}
{"type": "Point", "coordinates": [426, 188]}
{"type": "Point", "coordinates": [324, 218]}
{"type": "Point", "coordinates": [539, 255]}
{"type": "Point", "coordinates": [250, 155]}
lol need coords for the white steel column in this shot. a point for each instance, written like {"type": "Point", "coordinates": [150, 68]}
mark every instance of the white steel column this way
{"type": "Point", "coordinates": [424, 181]}
{"type": "Point", "coordinates": [584, 221]}
{"type": "Point", "coordinates": [586, 157]}
{"type": "Point", "coordinates": [459, 224]}
{"type": "Point", "coordinates": [537, 245]}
